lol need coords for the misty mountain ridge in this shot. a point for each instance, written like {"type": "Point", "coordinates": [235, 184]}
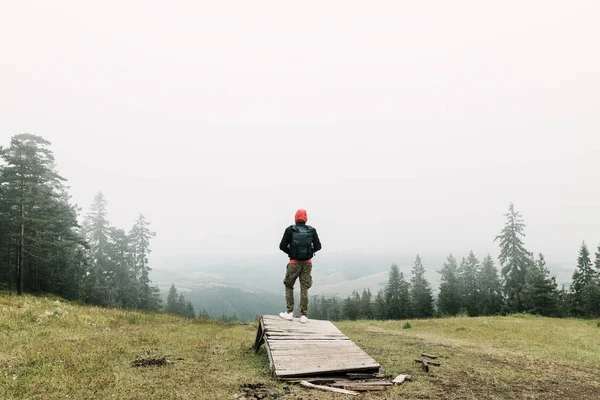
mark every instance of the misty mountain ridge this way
{"type": "Point", "coordinates": [334, 274]}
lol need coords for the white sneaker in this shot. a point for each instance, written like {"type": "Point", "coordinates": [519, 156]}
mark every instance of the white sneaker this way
{"type": "Point", "coordinates": [285, 315]}
{"type": "Point", "coordinates": [304, 319]}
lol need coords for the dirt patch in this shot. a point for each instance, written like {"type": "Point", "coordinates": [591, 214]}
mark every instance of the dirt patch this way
{"type": "Point", "coordinates": [150, 361]}
{"type": "Point", "coordinates": [256, 391]}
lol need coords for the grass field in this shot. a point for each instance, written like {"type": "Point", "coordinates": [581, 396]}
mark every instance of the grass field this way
{"type": "Point", "coordinates": [51, 349]}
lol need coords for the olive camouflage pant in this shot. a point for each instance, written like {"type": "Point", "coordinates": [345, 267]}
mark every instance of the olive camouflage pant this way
{"type": "Point", "coordinates": [295, 271]}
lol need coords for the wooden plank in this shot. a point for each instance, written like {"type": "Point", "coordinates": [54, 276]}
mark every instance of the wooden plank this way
{"type": "Point", "coordinates": [305, 363]}
{"type": "Point", "coordinates": [315, 379]}
{"type": "Point", "coordinates": [337, 366]}
{"type": "Point", "coordinates": [364, 388]}
{"type": "Point", "coordinates": [260, 336]}
{"type": "Point", "coordinates": [271, 364]}
{"type": "Point", "coordinates": [317, 347]}
{"type": "Point", "coordinates": [323, 369]}
{"type": "Point", "coordinates": [331, 350]}
{"type": "Point", "coordinates": [295, 363]}
{"type": "Point", "coordinates": [305, 336]}
{"type": "Point", "coordinates": [434, 363]}
{"type": "Point", "coordinates": [319, 356]}
{"type": "Point", "coordinates": [297, 374]}
{"type": "Point", "coordinates": [367, 383]}
{"type": "Point", "coordinates": [328, 331]}
{"type": "Point", "coordinates": [327, 388]}
{"type": "Point", "coordinates": [310, 342]}
{"type": "Point", "coordinates": [364, 376]}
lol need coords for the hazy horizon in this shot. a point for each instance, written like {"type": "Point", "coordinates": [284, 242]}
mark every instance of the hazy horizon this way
{"type": "Point", "coordinates": [400, 128]}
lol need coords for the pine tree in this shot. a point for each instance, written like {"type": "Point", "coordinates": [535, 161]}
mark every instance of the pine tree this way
{"type": "Point", "coordinates": [539, 293]}
{"type": "Point", "coordinates": [7, 231]}
{"type": "Point", "coordinates": [123, 288]}
{"type": "Point", "coordinates": [490, 288]}
{"type": "Point", "coordinates": [334, 309]}
{"type": "Point", "coordinates": [563, 302]}
{"type": "Point", "coordinates": [366, 306]}
{"type": "Point", "coordinates": [352, 306]}
{"type": "Point", "coordinates": [467, 275]}
{"type": "Point", "coordinates": [514, 258]}
{"type": "Point", "coordinates": [421, 297]}
{"type": "Point", "coordinates": [140, 236]}
{"type": "Point", "coordinates": [597, 261]}
{"type": "Point", "coordinates": [397, 297]}
{"type": "Point", "coordinates": [189, 311]}
{"type": "Point", "coordinates": [405, 299]}
{"type": "Point", "coordinates": [392, 293]}
{"type": "Point", "coordinates": [171, 306]}
{"type": "Point", "coordinates": [57, 244]}
{"type": "Point", "coordinates": [593, 295]}
{"type": "Point", "coordinates": [203, 315]}
{"type": "Point", "coordinates": [379, 306]}
{"type": "Point", "coordinates": [315, 307]}
{"type": "Point", "coordinates": [582, 286]}
{"type": "Point", "coordinates": [43, 249]}
{"type": "Point", "coordinates": [181, 305]}
{"type": "Point", "coordinates": [38, 224]}
{"type": "Point", "coordinates": [449, 300]}
{"type": "Point", "coordinates": [96, 231]}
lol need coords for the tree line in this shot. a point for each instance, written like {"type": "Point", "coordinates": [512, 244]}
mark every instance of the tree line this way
{"type": "Point", "coordinates": [476, 288]}
{"type": "Point", "coordinates": [44, 249]}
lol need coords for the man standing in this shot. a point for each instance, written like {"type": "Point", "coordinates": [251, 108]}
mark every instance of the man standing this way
{"type": "Point", "coordinates": [299, 242]}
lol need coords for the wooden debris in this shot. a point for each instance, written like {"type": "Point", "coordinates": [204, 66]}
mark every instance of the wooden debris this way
{"type": "Point", "coordinates": [401, 378]}
{"type": "Point", "coordinates": [429, 356]}
{"type": "Point", "coordinates": [260, 336]}
{"type": "Point", "coordinates": [328, 389]}
{"type": "Point", "coordinates": [434, 363]}
{"type": "Point", "coordinates": [364, 376]}
{"type": "Point", "coordinates": [364, 388]}
{"type": "Point", "coordinates": [368, 383]}
{"type": "Point", "coordinates": [315, 379]}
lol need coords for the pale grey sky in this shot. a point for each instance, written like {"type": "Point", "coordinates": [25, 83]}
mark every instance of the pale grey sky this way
{"type": "Point", "coordinates": [399, 126]}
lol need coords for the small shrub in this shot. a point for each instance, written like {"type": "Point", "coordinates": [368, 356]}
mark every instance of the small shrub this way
{"type": "Point", "coordinates": [57, 312]}
{"type": "Point", "coordinates": [598, 324]}
{"type": "Point", "coordinates": [29, 316]}
{"type": "Point", "coordinates": [406, 325]}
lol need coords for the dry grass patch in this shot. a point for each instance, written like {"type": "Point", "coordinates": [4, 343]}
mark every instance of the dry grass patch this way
{"type": "Point", "coordinates": [52, 349]}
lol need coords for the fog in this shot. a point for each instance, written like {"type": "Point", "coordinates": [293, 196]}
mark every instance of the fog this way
{"type": "Point", "coordinates": [400, 127]}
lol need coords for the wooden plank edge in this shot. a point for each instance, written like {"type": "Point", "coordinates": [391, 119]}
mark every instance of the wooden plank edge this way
{"type": "Point", "coordinates": [285, 375]}
{"type": "Point", "coordinates": [260, 336]}
{"type": "Point", "coordinates": [328, 389]}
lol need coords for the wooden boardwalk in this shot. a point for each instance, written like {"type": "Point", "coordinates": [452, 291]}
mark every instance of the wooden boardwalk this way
{"type": "Point", "coordinates": [311, 349]}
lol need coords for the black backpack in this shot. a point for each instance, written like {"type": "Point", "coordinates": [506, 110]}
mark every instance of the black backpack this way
{"type": "Point", "coordinates": [301, 248]}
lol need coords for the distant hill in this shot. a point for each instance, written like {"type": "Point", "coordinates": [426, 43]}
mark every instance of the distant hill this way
{"type": "Point", "coordinates": [245, 305]}
{"type": "Point", "coordinates": [252, 286]}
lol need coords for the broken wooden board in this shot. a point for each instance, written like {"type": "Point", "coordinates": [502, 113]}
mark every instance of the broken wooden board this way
{"type": "Point", "coordinates": [315, 348]}
{"type": "Point", "coordinates": [362, 386]}
{"type": "Point", "coordinates": [328, 389]}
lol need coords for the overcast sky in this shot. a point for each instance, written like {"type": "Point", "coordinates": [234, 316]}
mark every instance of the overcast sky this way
{"type": "Point", "coordinates": [399, 126]}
